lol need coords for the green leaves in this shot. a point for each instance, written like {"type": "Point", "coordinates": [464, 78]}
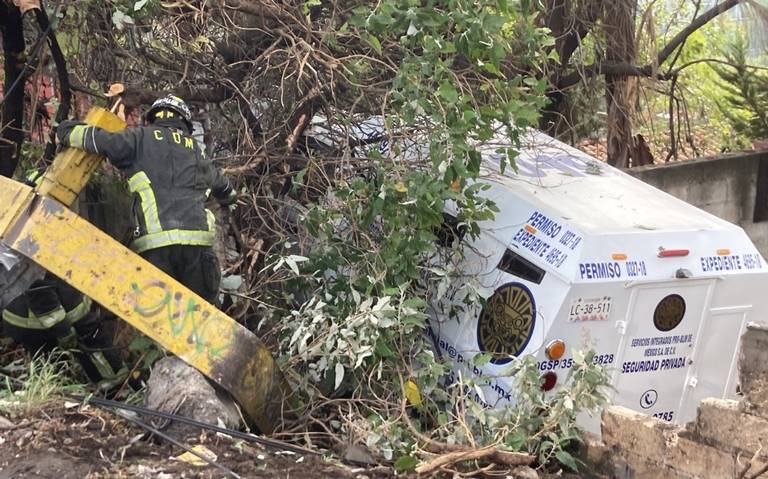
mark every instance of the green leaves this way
{"type": "Point", "coordinates": [308, 4]}
{"type": "Point", "coordinates": [376, 265]}
{"type": "Point", "coordinates": [482, 359]}
{"type": "Point", "coordinates": [745, 102]}
{"type": "Point", "coordinates": [374, 42]}
{"type": "Point", "coordinates": [406, 463]}
{"type": "Point", "coordinates": [434, 36]}
{"type": "Point", "coordinates": [448, 92]}
{"type": "Point", "coordinates": [121, 19]}
{"type": "Point", "coordinates": [566, 459]}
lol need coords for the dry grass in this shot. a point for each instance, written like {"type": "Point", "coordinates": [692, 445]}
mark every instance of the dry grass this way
{"type": "Point", "coordinates": [46, 378]}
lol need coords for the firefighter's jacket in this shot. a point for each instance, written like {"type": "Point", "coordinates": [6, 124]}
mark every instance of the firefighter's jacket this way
{"type": "Point", "coordinates": [169, 177]}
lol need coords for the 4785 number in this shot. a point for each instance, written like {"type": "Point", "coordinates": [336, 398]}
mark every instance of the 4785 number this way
{"type": "Point", "coordinates": [665, 416]}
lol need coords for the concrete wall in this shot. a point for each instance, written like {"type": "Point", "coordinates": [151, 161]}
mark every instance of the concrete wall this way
{"type": "Point", "coordinates": [726, 186]}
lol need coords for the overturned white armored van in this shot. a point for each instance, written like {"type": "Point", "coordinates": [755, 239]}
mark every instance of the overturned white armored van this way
{"type": "Point", "coordinates": [582, 253]}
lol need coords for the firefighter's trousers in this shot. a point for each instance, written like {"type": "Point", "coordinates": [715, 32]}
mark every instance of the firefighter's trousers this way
{"type": "Point", "coordinates": [52, 314]}
{"type": "Point", "coordinates": [196, 267]}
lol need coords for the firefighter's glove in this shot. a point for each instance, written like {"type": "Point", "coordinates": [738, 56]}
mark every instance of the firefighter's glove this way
{"type": "Point", "coordinates": [70, 133]}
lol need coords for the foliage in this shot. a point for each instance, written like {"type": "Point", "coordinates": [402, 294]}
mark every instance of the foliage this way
{"type": "Point", "coordinates": [542, 425]}
{"type": "Point", "coordinates": [701, 125]}
{"type": "Point", "coordinates": [148, 352]}
{"type": "Point", "coordinates": [374, 238]}
{"type": "Point", "coordinates": [682, 86]}
{"type": "Point", "coordinates": [46, 379]}
{"type": "Point", "coordinates": [745, 103]}
{"type": "Point", "coordinates": [374, 252]}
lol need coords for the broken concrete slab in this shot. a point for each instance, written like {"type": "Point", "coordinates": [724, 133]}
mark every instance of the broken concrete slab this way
{"type": "Point", "coordinates": [727, 424]}
{"type": "Point", "coordinates": [175, 387]}
{"type": "Point", "coordinates": [725, 440]}
{"type": "Point", "coordinates": [633, 431]}
{"type": "Point", "coordinates": [700, 460]}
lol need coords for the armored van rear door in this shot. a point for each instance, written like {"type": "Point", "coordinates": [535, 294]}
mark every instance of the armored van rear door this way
{"type": "Point", "coordinates": [661, 328]}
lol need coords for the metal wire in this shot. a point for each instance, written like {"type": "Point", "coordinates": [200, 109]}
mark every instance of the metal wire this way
{"type": "Point", "coordinates": [139, 423]}
{"type": "Point", "coordinates": [173, 441]}
{"type": "Point", "coordinates": [107, 403]}
{"type": "Point", "coordinates": [272, 443]}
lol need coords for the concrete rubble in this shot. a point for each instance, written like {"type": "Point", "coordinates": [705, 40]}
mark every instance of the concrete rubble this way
{"type": "Point", "coordinates": [726, 440]}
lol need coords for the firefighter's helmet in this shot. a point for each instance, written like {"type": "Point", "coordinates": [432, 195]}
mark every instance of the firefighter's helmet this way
{"type": "Point", "coordinates": [172, 103]}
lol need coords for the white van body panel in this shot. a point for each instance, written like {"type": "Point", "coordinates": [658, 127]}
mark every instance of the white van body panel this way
{"type": "Point", "coordinates": [596, 233]}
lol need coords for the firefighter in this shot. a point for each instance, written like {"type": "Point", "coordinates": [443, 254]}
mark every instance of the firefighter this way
{"type": "Point", "coordinates": [51, 314]}
{"type": "Point", "coordinates": [169, 176]}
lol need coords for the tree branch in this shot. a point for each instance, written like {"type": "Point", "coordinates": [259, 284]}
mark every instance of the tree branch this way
{"type": "Point", "coordinates": [584, 20]}
{"type": "Point", "coordinates": [134, 96]}
{"type": "Point", "coordinates": [257, 9]}
{"type": "Point", "coordinates": [65, 90]}
{"type": "Point", "coordinates": [682, 67]}
{"type": "Point", "coordinates": [623, 69]}
{"type": "Point", "coordinates": [697, 23]}
{"type": "Point", "coordinates": [11, 117]}
{"type": "Point", "coordinates": [620, 69]}
{"type": "Point", "coordinates": [488, 452]}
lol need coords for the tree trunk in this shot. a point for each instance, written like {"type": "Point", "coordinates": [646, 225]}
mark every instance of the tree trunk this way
{"type": "Point", "coordinates": [569, 25]}
{"type": "Point", "coordinates": [12, 114]}
{"type": "Point", "coordinates": [619, 24]}
{"type": "Point", "coordinates": [554, 19]}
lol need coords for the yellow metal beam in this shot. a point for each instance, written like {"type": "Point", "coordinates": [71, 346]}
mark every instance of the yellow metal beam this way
{"type": "Point", "coordinates": [72, 168]}
{"type": "Point", "coordinates": [14, 197]}
{"type": "Point", "coordinates": [150, 300]}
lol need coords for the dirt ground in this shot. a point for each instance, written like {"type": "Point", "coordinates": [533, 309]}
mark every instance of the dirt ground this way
{"type": "Point", "coordinates": [85, 442]}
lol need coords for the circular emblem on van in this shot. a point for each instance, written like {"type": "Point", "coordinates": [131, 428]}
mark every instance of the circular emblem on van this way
{"type": "Point", "coordinates": [669, 312]}
{"type": "Point", "coordinates": [506, 322]}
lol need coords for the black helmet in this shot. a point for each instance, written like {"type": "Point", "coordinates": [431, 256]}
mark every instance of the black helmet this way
{"type": "Point", "coordinates": [173, 103]}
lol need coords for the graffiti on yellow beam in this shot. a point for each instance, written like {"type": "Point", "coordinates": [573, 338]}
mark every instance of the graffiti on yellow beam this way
{"type": "Point", "coordinates": [184, 315]}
